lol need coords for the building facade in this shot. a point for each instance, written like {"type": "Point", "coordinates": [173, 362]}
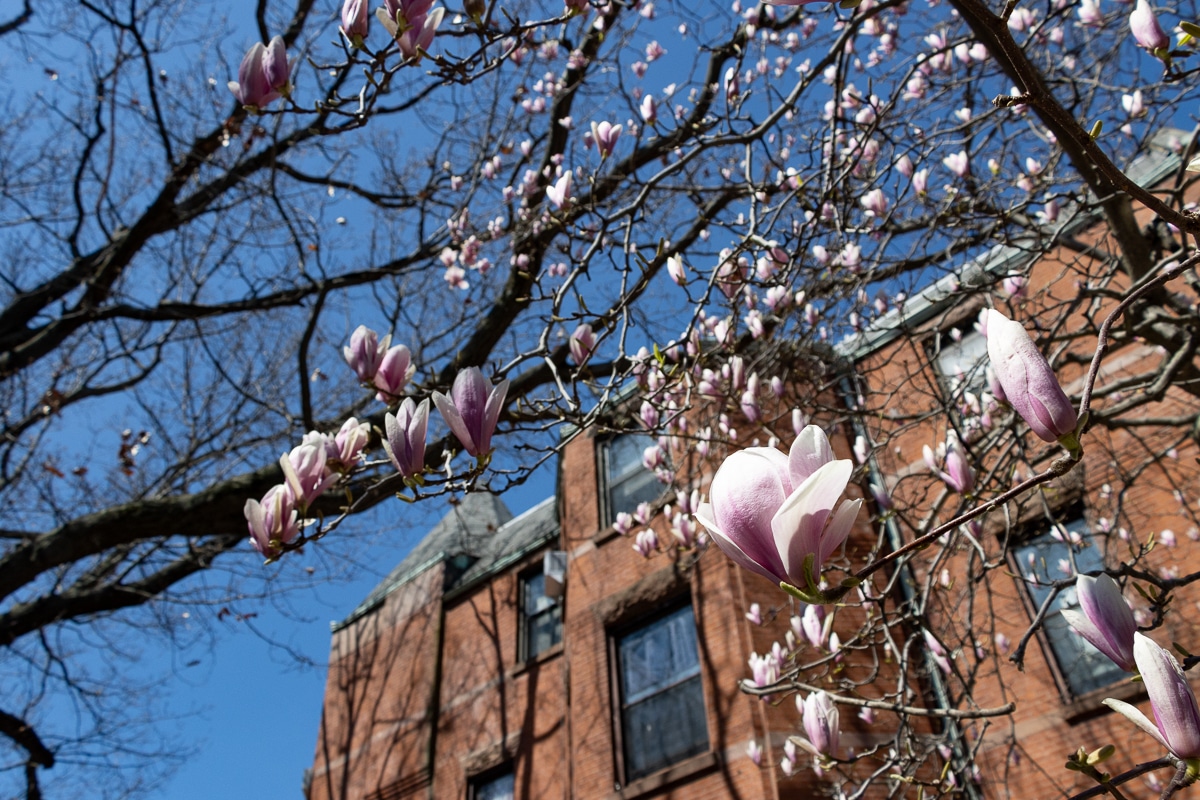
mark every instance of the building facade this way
{"type": "Point", "coordinates": [543, 657]}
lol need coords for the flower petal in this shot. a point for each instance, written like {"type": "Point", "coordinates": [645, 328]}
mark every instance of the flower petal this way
{"type": "Point", "coordinates": [798, 524]}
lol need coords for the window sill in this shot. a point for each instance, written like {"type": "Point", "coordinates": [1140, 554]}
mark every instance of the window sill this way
{"type": "Point", "coordinates": [1092, 704]}
{"type": "Point", "coordinates": [693, 767]}
{"type": "Point", "coordinates": [548, 654]}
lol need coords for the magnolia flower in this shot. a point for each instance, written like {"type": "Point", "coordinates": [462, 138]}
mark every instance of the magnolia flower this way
{"type": "Point", "coordinates": [411, 23]}
{"type": "Point", "coordinates": [1105, 621]}
{"type": "Point", "coordinates": [958, 474]}
{"type": "Point", "coordinates": [774, 514]}
{"type": "Point", "coordinates": [305, 473]}
{"type": "Point", "coordinates": [648, 109]}
{"type": "Point", "coordinates": [582, 343]}
{"type": "Point", "coordinates": [605, 134]}
{"type": "Point", "coordinates": [754, 752]}
{"type": "Point", "coordinates": [263, 76]}
{"type": "Point", "coordinates": [344, 450]}
{"type": "Point", "coordinates": [560, 193]}
{"type": "Point", "coordinates": [365, 352]}
{"type": "Point", "coordinates": [1176, 723]}
{"type": "Point", "coordinates": [1143, 24]}
{"type": "Point", "coordinates": [676, 270]}
{"type": "Point", "coordinates": [394, 371]}
{"type": "Point", "coordinates": [272, 522]}
{"type": "Point", "coordinates": [645, 543]}
{"type": "Point", "coordinates": [1134, 104]}
{"type": "Point", "coordinates": [959, 163]}
{"type": "Point", "coordinates": [875, 203]}
{"type": "Point", "coordinates": [405, 440]}
{"type": "Point", "coordinates": [472, 411]}
{"type": "Point", "coordinates": [355, 21]}
{"type": "Point", "coordinates": [1028, 381]}
{"type": "Point", "coordinates": [822, 726]}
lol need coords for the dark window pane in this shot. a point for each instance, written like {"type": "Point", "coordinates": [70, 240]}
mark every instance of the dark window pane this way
{"type": "Point", "coordinates": [543, 617]}
{"type": "Point", "coordinates": [498, 788]}
{"type": "Point", "coordinates": [545, 630]}
{"type": "Point", "coordinates": [658, 655]}
{"type": "Point", "coordinates": [665, 728]}
{"type": "Point", "coordinates": [1046, 559]}
{"type": "Point", "coordinates": [662, 700]}
{"type": "Point", "coordinates": [628, 482]}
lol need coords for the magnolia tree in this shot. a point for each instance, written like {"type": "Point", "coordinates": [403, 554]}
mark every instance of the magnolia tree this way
{"type": "Point", "coordinates": [404, 245]}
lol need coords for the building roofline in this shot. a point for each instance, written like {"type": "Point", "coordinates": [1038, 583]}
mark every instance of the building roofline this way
{"type": "Point", "coordinates": [497, 566]}
{"type": "Point", "coordinates": [1147, 169]}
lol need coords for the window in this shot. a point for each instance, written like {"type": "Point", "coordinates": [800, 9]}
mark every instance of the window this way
{"type": "Point", "coordinates": [961, 357]}
{"type": "Point", "coordinates": [543, 616]}
{"type": "Point", "coordinates": [661, 699]}
{"type": "Point", "coordinates": [1048, 558]}
{"type": "Point", "coordinates": [495, 784]}
{"type": "Point", "coordinates": [627, 482]}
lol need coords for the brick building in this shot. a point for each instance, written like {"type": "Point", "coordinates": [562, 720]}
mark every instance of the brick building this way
{"type": "Point", "coordinates": [541, 657]}
{"type": "Point", "coordinates": [460, 677]}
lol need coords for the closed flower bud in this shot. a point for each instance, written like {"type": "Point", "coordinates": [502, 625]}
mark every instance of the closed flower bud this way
{"type": "Point", "coordinates": [405, 440]}
{"type": "Point", "coordinates": [394, 371]}
{"type": "Point", "coordinates": [1104, 619]}
{"type": "Point", "coordinates": [1143, 24]}
{"type": "Point", "coordinates": [582, 343]}
{"type": "Point", "coordinates": [1027, 381]}
{"type": "Point", "coordinates": [365, 353]}
{"type": "Point", "coordinates": [355, 21]}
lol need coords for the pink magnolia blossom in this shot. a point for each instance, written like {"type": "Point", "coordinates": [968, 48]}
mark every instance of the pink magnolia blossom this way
{"type": "Point", "coordinates": [875, 203]}
{"type": "Point", "coordinates": [405, 440]}
{"type": "Point", "coordinates": [472, 411]}
{"type": "Point", "coordinates": [305, 472]}
{"type": "Point", "coordinates": [1143, 24]}
{"type": "Point", "coordinates": [264, 75]}
{"type": "Point", "coordinates": [648, 109]}
{"type": "Point", "coordinates": [815, 625]}
{"type": "Point", "coordinates": [605, 135]}
{"type": "Point", "coordinates": [1104, 619]}
{"type": "Point", "coordinates": [822, 726]}
{"type": "Point", "coordinates": [959, 163]}
{"type": "Point", "coordinates": [273, 522]}
{"type": "Point", "coordinates": [365, 353]}
{"type": "Point", "coordinates": [958, 474]}
{"type": "Point", "coordinates": [412, 23]}
{"type": "Point", "coordinates": [559, 193]}
{"type": "Point", "coordinates": [394, 373]}
{"type": "Point", "coordinates": [645, 543]}
{"type": "Point", "coordinates": [582, 343]}
{"type": "Point", "coordinates": [1176, 723]}
{"type": "Point", "coordinates": [1028, 382]}
{"type": "Point", "coordinates": [344, 450]}
{"type": "Point", "coordinates": [355, 21]}
{"type": "Point", "coordinates": [771, 512]}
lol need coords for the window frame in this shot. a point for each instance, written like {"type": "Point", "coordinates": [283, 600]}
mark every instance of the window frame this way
{"type": "Point", "coordinates": [943, 341]}
{"type": "Point", "coordinates": [608, 511]}
{"type": "Point", "coordinates": [524, 655]}
{"type": "Point", "coordinates": [620, 737]}
{"type": "Point", "coordinates": [1056, 640]}
{"type": "Point", "coordinates": [479, 780]}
